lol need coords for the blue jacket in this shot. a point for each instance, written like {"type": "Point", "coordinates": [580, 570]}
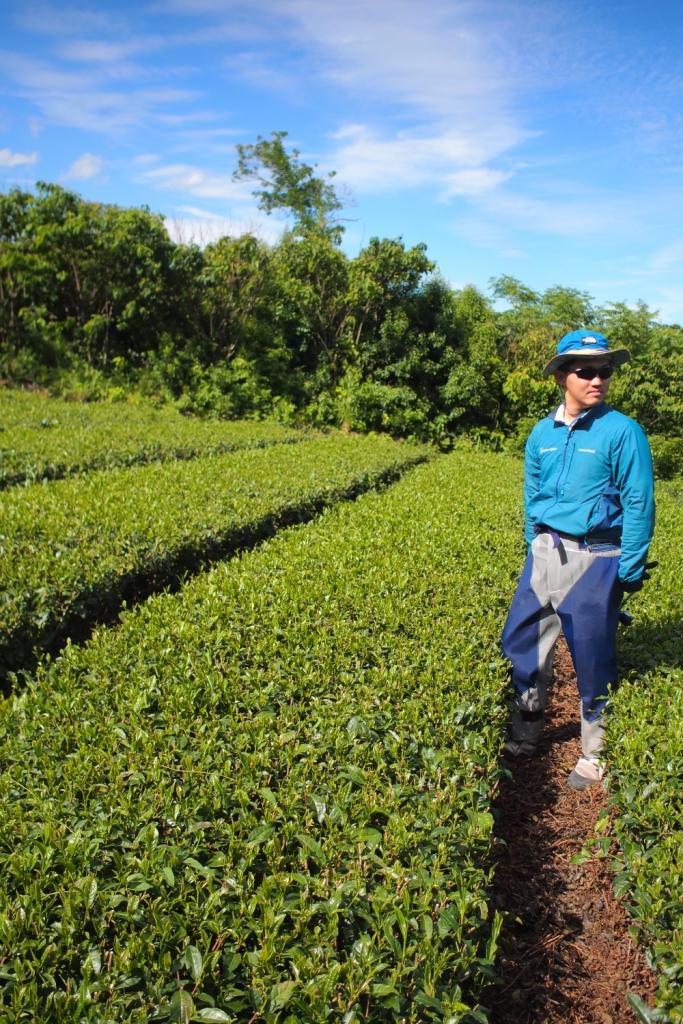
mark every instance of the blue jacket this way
{"type": "Point", "coordinates": [592, 480]}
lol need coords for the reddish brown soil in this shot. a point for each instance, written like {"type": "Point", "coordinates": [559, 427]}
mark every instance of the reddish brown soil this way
{"type": "Point", "coordinates": [570, 957]}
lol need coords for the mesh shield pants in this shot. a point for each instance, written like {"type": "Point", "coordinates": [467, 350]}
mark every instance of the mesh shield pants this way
{"type": "Point", "coordinates": [576, 589]}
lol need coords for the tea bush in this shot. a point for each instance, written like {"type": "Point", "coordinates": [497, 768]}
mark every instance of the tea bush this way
{"type": "Point", "coordinates": [646, 759]}
{"type": "Point", "coordinates": [48, 438]}
{"type": "Point", "coordinates": [268, 796]}
{"type": "Point", "coordinates": [72, 549]}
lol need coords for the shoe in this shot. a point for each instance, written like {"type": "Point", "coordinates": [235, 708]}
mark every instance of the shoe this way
{"type": "Point", "coordinates": [586, 773]}
{"type": "Point", "coordinates": [523, 748]}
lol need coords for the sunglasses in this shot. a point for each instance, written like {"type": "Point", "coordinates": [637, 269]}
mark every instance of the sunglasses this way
{"type": "Point", "coordinates": [590, 372]}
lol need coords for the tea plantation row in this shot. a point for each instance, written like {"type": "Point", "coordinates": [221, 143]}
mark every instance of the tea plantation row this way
{"type": "Point", "coordinates": [72, 548]}
{"type": "Point", "coordinates": [268, 796]}
{"type": "Point", "coordinates": [47, 438]}
{"type": "Point", "coordinates": [646, 761]}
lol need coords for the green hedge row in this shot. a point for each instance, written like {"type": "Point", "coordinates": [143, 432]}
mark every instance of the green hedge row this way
{"type": "Point", "coordinates": [646, 760]}
{"type": "Point", "coordinates": [72, 549]}
{"type": "Point", "coordinates": [46, 438]}
{"type": "Point", "coordinates": [267, 797]}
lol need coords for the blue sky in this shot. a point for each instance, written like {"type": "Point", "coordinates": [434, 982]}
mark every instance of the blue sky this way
{"type": "Point", "coordinates": [538, 139]}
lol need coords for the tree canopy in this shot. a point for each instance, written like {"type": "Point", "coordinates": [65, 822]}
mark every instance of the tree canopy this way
{"type": "Point", "coordinates": [290, 185]}
{"type": "Point", "coordinates": [95, 298]}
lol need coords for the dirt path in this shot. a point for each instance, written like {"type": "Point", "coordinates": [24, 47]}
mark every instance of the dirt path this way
{"type": "Point", "coordinates": [571, 959]}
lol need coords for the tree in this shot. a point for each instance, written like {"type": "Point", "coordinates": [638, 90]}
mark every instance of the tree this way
{"type": "Point", "coordinates": [632, 328]}
{"type": "Point", "coordinates": [510, 289]}
{"type": "Point", "coordinates": [232, 283]}
{"type": "Point", "coordinates": [288, 184]}
{"type": "Point", "coordinates": [82, 280]}
{"type": "Point", "coordinates": [312, 306]}
{"type": "Point", "coordinates": [651, 391]}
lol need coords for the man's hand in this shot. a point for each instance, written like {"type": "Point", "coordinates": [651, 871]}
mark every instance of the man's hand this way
{"type": "Point", "coordinates": [635, 585]}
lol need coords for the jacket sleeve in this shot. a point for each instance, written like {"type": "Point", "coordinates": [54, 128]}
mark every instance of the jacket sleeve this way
{"type": "Point", "coordinates": [532, 478]}
{"type": "Point", "coordinates": [633, 476]}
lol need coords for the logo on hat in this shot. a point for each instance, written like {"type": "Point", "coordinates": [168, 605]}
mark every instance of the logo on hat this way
{"type": "Point", "coordinates": [589, 341]}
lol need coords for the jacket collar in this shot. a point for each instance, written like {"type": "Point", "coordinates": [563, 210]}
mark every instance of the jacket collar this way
{"type": "Point", "coordinates": [587, 415]}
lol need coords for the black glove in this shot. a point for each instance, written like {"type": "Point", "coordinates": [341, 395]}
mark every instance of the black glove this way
{"type": "Point", "coordinates": [635, 585]}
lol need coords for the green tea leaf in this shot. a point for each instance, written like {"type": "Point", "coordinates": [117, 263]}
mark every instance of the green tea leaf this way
{"type": "Point", "coordinates": [95, 960]}
{"type": "Point", "coordinates": [280, 995]}
{"type": "Point", "coordinates": [182, 1007]}
{"type": "Point", "coordinates": [382, 989]}
{"type": "Point", "coordinates": [448, 922]}
{"type": "Point", "coordinates": [371, 837]}
{"type": "Point", "coordinates": [355, 774]}
{"type": "Point", "coordinates": [422, 999]}
{"type": "Point", "coordinates": [313, 847]}
{"type": "Point", "coordinates": [193, 962]}
{"type": "Point", "coordinates": [318, 805]}
{"type": "Point", "coordinates": [640, 1008]}
{"type": "Point", "coordinates": [261, 834]}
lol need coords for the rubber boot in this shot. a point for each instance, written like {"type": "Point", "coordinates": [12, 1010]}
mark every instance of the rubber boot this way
{"type": "Point", "coordinates": [588, 770]}
{"type": "Point", "coordinates": [526, 722]}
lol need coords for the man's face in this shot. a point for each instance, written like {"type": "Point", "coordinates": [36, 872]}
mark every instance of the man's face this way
{"type": "Point", "coordinates": [584, 393]}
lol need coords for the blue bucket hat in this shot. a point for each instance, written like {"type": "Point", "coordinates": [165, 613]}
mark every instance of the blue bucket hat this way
{"type": "Point", "coordinates": [585, 343]}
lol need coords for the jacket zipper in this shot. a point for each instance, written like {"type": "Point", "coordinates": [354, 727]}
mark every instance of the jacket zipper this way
{"type": "Point", "coordinates": [559, 475]}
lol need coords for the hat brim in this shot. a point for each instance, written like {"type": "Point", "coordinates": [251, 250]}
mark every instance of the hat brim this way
{"type": "Point", "coordinates": [617, 357]}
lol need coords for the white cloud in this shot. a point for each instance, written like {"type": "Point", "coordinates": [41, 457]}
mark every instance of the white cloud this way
{"type": "Point", "coordinates": [664, 297]}
{"type": "Point", "coordinates": [474, 182]}
{"type": "Point", "coordinates": [10, 159]}
{"type": "Point", "coordinates": [260, 69]}
{"type": "Point", "coordinates": [61, 20]}
{"type": "Point", "coordinates": [111, 59]}
{"type": "Point", "coordinates": [445, 68]}
{"type": "Point", "coordinates": [444, 78]}
{"type": "Point", "coordinates": [202, 214]}
{"type": "Point", "coordinates": [448, 57]}
{"type": "Point", "coordinates": [196, 182]}
{"type": "Point", "coordinates": [577, 217]}
{"type": "Point", "coordinates": [497, 218]}
{"type": "Point", "coordinates": [83, 100]}
{"type": "Point", "coordinates": [433, 96]}
{"type": "Point", "coordinates": [204, 228]}
{"type": "Point", "coordinates": [95, 51]}
{"type": "Point", "coordinates": [87, 166]}
{"type": "Point", "coordinates": [435, 56]}
{"type": "Point", "coordinates": [448, 90]}
{"type": "Point", "coordinates": [453, 159]}
{"type": "Point", "coordinates": [656, 274]}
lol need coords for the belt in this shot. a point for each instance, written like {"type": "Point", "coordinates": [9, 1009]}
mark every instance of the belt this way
{"type": "Point", "coordinates": [588, 545]}
{"type": "Point", "coordinates": [558, 536]}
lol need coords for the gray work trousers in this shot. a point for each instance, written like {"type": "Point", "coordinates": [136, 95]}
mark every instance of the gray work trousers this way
{"type": "Point", "coordinates": [576, 588]}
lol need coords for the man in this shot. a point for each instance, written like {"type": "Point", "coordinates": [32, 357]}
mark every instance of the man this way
{"type": "Point", "coordinates": [589, 504]}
